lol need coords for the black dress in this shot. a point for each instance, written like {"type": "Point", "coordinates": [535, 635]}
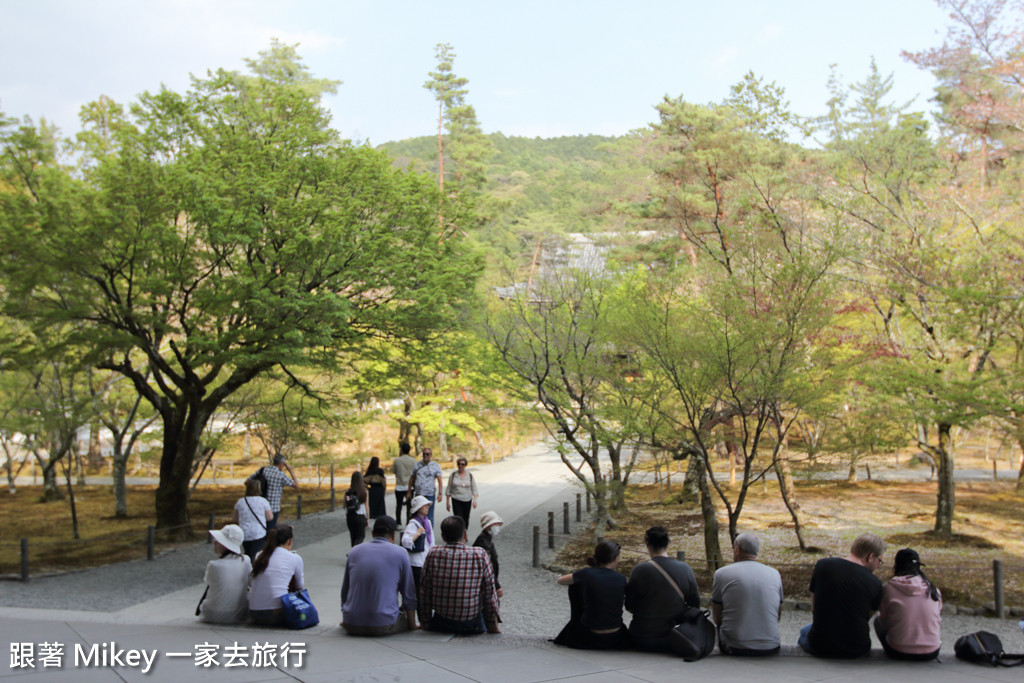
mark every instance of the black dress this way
{"type": "Point", "coordinates": [377, 483]}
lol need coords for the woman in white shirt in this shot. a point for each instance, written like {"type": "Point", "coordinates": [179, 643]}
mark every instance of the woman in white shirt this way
{"type": "Point", "coordinates": [418, 537]}
{"type": "Point", "coordinates": [461, 491]}
{"type": "Point", "coordinates": [227, 579]}
{"type": "Point", "coordinates": [252, 513]}
{"type": "Point", "coordinates": [277, 571]}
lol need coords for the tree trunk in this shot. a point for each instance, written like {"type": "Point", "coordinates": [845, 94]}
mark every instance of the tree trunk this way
{"type": "Point", "coordinates": [785, 476]}
{"type": "Point", "coordinates": [117, 474]}
{"type": "Point", "coordinates": [95, 457]}
{"type": "Point", "coordinates": [851, 477]}
{"type": "Point", "coordinates": [181, 443]}
{"type": "Point", "coordinates": [691, 485]}
{"type": "Point", "coordinates": [946, 499]}
{"type": "Point", "coordinates": [712, 546]}
{"type": "Point", "coordinates": [51, 489]}
{"type": "Point", "coordinates": [1020, 474]}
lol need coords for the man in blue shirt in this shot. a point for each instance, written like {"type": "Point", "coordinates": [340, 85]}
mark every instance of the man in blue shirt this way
{"type": "Point", "coordinates": [375, 573]}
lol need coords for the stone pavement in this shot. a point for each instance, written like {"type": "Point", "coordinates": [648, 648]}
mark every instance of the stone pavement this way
{"type": "Point", "coordinates": [324, 653]}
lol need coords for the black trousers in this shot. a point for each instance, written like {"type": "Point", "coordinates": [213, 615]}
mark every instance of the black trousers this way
{"type": "Point", "coordinates": [461, 508]}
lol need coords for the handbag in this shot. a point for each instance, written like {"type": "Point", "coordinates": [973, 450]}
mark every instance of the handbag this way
{"type": "Point", "coordinates": [693, 637]}
{"type": "Point", "coordinates": [983, 647]}
{"type": "Point", "coordinates": [420, 544]}
{"type": "Point", "coordinates": [299, 611]}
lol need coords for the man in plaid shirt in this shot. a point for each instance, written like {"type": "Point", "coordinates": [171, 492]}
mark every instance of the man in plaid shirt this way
{"type": "Point", "coordinates": [276, 481]}
{"type": "Point", "coordinates": [457, 593]}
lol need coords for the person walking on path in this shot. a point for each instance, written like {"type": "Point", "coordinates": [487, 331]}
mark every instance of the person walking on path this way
{"type": "Point", "coordinates": [227, 579]}
{"type": "Point", "coordinates": [659, 592]}
{"type": "Point", "coordinates": [844, 594]}
{"type": "Point", "coordinates": [377, 486]}
{"type": "Point", "coordinates": [376, 573]}
{"type": "Point", "coordinates": [596, 595]}
{"type": "Point", "coordinates": [402, 467]}
{"type": "Point", "coordinates": [418, 537]}
{"type": "Point", "coordinates": [277, 570]}
{"type": "Point", "coordinates": [746, 602]}
{"type": "Point", "coordinates": [253, 514]}
{"type": "Point", "coordinates": [490, 525]}
{"type": "Point", "coordinates": [461, 492]}
{"type": "Point", "coordinates": [909, 620]}
{"type": "Point", "coordinates": [276, 481]}
{"type": "Point", "coordinates": [426, 481]}
{"type": "Point", "coordinates": [355, 509]}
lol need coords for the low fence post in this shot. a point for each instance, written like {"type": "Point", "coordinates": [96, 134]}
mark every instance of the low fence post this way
{"type": "Point", "coordinates": [536, 546]}
{"type": "Point", "coordinates": [681, 555]}
{"type": "Point", "coordinates": [579, 513]}
{"type": "Point", "coordinates": [551, 530]}
{"type": "Point", "coordinates": [588, 501]}
{"type": "Point", "coordinates": [24, 559]}
{"type": "Point", "coordinates": [213, 520]}
{"type": "Point", "coordinates": [565, 518]}
{"type": "Point", "coordinates": [332, 488]}
{"type": "Point", "coordinates": [997, 581]}
{"type": "Point", "coordinates": [150, 542]}
{"type": "Point", "coordinates": [298, 507]}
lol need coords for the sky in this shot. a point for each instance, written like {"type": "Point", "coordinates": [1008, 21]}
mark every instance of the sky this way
{"type": "Point", "coordinates": [535, 68]}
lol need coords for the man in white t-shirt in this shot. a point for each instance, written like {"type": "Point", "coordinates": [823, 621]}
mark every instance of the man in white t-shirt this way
{"type": "Point", "coordinates": [746, 602]}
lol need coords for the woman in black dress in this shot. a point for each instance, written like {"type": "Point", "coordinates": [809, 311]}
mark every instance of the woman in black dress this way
{"type": "Point", "coordinates": [596, 594]}
{"type": "Point", "coordinates": [377, 484]}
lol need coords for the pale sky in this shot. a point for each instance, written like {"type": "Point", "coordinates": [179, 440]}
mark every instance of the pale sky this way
{"type": "Point", "coordinates": [535, 68]}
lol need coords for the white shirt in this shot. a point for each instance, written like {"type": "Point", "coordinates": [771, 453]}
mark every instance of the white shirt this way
{"type": "Point", "coordinates": [272, 583]}
{"type": "Point", "coordinates": [416, 559]}
{"type": "Point", "coordinates": [226, 601]}
{"type": "Point", "coordinates": [254, 526]}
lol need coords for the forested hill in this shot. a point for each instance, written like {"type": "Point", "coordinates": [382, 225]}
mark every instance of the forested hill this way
{"type": "Point", "coordinates": [541, 186]}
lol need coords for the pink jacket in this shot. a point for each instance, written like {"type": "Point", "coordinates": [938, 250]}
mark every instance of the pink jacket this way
{"type": "Point", "coordinates": [908, 615]}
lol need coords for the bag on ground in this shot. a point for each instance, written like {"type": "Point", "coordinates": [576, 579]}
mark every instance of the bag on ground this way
{"type": "Point", "coordinates": [299, 611]}
{"type": "Point", "coordinates": [983, 647]}
{"type": "Point", "coordinates": [694, 637]}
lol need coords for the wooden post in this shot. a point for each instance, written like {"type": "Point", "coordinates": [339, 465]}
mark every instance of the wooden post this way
{"type": "Point", "coordinates": [24, 559]}
{"type": "Point", "coordinates": [298, 507]}
{"type": "Point", "coordinates": [579, 509]}
{"type": "Point", "coordinates": [997, 586]}
{"type": "Point", "coordinates": [681, 555]}
{"type": "Point", "coordinates": [588, 501]}
{"type": "Point", "coordinates": [551, 530]}
{"type": "Point", "coordinates": [565, 518]}
{"type": "Point", "coordinates": [536, 545]}
{"type": "Point", "coordinates": [213, 520]}
{"type": "Point", "coordinates": [995, 472]}
{"type": "Point", "coordinates": [332, 488]}
{"type": "Point", "coordinates": [150, 542]}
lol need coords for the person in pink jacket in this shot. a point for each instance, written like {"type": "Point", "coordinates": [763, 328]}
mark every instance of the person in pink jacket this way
{"type": "Point", "coordinates": [909, 618]}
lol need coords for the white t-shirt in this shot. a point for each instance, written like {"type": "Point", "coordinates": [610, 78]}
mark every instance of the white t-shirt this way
{"type": "Point", "coordinates": [272, 583]}
{"type": "Point", "coordinates": [226, 602]}
{"type": "Point", "coordinates": [254, 526]}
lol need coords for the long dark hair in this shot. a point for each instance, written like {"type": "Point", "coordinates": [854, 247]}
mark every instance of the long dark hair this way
{"type": "Point", "coordinates": [604, 553]}
{"type": "Point", "coordinates": [374, 466]}
{"type": "Point", "coordinates": [358, 487]}
{"type": "Point", "coordinates": [908, 563]}
{"type": "Point", "coordinates": [277, 537]}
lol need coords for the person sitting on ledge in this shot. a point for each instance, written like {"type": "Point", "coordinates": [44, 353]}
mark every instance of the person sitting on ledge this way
{"type": "Point", "coordinates": [746, 602]}
{"type": "Point", "coordinates": [656, 599]}
{"type": "Point", "coordinates": [457, 591]}
{"type": "Point", "coordinates": [375, 574]}
{"type": "Point", "coordinates": [910, 618]}
{"type": "Point", "coordinates": [844, 595]}
{"type": "Point", "coordinates": [596, 594]}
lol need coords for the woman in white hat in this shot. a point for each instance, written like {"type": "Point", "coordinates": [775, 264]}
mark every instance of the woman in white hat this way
{"type": "Point", "coordinates": [227, 579]}
{"type": "Point", "coordinates": [418, 537]}
{"type": "Point", "coordinates": [490, 525]}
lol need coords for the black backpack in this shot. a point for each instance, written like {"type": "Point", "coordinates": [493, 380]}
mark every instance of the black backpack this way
{"type": "Point", "coordinates": [262, 479]}
{"type": "Point", "coordinates": [983, 647]}
{"type": "Point", "coordinates": [351, 502]}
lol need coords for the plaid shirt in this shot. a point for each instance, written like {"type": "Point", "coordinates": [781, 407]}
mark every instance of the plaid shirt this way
{"type": "Point", "coordinates": [457, 583]}
{"type": "Point", "coordinates": [276, 481]}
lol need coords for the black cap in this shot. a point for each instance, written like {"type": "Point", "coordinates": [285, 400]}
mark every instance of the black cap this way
{"type": "Point", "coordinates": [907, 559]}
{"type": "Point", "coordinates": [384, 526]}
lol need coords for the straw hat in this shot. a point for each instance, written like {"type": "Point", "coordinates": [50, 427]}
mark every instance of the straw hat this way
{"type": "Point", "coordinates": [489, 519]}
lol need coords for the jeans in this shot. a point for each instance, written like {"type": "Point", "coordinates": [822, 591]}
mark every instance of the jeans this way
{"type": "Point", "coordinates": [803, 641]}
{"type": "Point", "coordinates": [474, 625]}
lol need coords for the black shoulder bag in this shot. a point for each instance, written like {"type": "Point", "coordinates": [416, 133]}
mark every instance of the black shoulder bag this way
{"type": "Point", "coordinates": [693, 637]}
